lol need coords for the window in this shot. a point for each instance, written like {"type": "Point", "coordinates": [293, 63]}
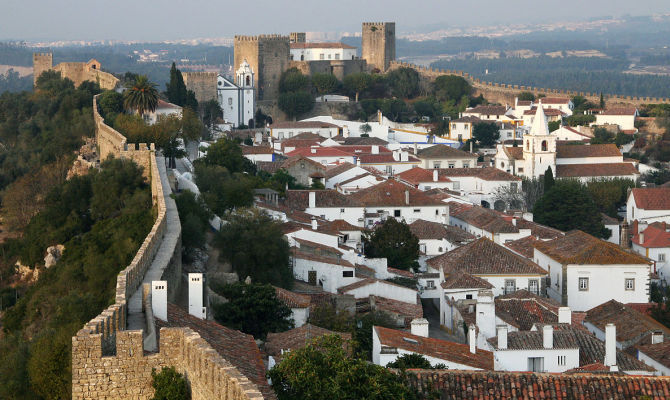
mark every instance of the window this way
{"type": "Point", "coordinates": [396, 213]}
{"type": "Point", "coordinates": [436, 164]}
{"type": "Point", "coordinates": [322, 57]}
{"type": "Point", "coordinates": [417, 210]}
{"type": "Point", "coordinates": [427, 187]}
{"type": "Point", "coordinates": [341, 210]}
{"type": "Point", "coordinates": [513, 187]}
{"type": "Point", "coordinates": [466, 165]}
{"type": "Point", "coordinates": [561, 360]}
{"type": "Point", "coordinates": [544, 145]}
{"type": "Point", "coordinates": [302, 165]}
{"type": "Point", "coordinates": [452, 165]}
{"type": "Point", "coordinates": [583, 283]}
{"type": "Point", "coordinates": [520, 170]}
{"type": "Point", "coordinates": [527, 145]}
{"type": "Point", "coordinates": [453, 127]}
{"type": "Point", "coordinates": [533, 286]}
{"type": "Point", "coordinates": [661, 257]}
{"type": "Point", "coordinates": [347, 274]}
{"type": "Point", "coordinates": [330, 56]}
{"type": "Point", "coordinates": [630, 283]}
{"type": "Point", "coordinates": [389, 169]}
{"type": "Point", "coordinates": [230, 101]}
{"type": "Point", "coordinates": [337, 56]}
{"type": "Point", "coordinates": [510, 286]}
{"type": "Point", "coordinates": [430, 284]}
{"type": "Point", "coordinates": [536, 364]}
{"type": "Point", "coordinates": [457, 185]}
{"type": "Point", "coordinates": [468, 297]}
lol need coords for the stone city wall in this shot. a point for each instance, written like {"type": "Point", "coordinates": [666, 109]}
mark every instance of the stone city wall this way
{"type": "Point", "coordinates": [504, 94]}
{"type": "Point", "coordinates": [78, 72]}
{"type": "Point", "coordinates": [203, 84]}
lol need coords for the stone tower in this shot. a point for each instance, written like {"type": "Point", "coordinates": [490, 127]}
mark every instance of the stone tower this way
{"type": "Point", "coordinates": [41, 62]}
{"type": "Point", "coordinates": [378, 47]}
{"type": "Point", "coordinates": [297, 37]}
{"type": "Point", "coordinates": [268, 57]}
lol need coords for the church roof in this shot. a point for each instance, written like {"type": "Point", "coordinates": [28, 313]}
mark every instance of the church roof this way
{"type": "Point", "coordinates": [585, 151]}
{"type": "Point", "coordinates": [540, 126]}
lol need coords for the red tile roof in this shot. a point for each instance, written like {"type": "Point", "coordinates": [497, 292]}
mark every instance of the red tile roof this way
{"type": "Point", "coordinates": [487, 110]}
{"type": "Point", "coordinates": [587, 150]}
{"type": "Point", "coordinates": [514, 152]}
{"type": "Point", "coordinates": [335, 170]}
{"type": "Point", "coordinates": [460, 280]}
{"type": "Point", "coordinates": [257, 150]}
{"type": "Point", "coordinates": [486, 173]}
{"type": "Point", "coordinates": [443, 151]}
{"type": "Point", "coordinates": [484, 257]}
{"type": "Point", "coordinates": [523, 309]}
{"type": "Point", "coordinates": [296, 253]}
{"type": "Point", "coordinates": [318, 151]}
{"type": "Point", "coordinates": [619, 111]}
{"type": "Point", "coordinates": [652, 198]}
{"type": "Point", "coordinates": [555, 100]}
{"type": "Point", "coordinates": [549, 112]}
{"type": "Point", "coordinates": [578, 247]}
{"type": "Point", "coordinates": [392, 194]}
{"type": "Point", "coordinates": [440, 349]}
{"type": "Point", "coordinates": [407, 310]}
{"type": "Point", "coordinates": [427, 230]}
{"type": "Point", "coordinates": [469, 119]}
{"type": "Point", "coordinates": [659, 352]}
{"type": "Point", "coordinates": [291, 299]}
{"type": "Point", "coordinates": [655, 236]}
{"type": "Point", "coordinates": [595, 170]}
{"type": "Point", "coordinates": [288, 163]}
{"type": "Point", "coordinates": [415, 176]}
{"type": "Point", "coordinates": [631, 325]}
{"type": "Point", "coordinates": [302, 125]}
{"type": "Point", "coordinates": [324, 198]}
{"type": "Point", "coordinates": [523, 246]}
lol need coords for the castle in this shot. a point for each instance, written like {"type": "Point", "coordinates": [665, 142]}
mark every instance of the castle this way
{"type": "Point", "coordinates": [77, 72]}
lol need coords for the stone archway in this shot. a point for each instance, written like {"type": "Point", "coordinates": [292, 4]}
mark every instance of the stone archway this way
{"type": "Point", "coordinates": [486, 204]}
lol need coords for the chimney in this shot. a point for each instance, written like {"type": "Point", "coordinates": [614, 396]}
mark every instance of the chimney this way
{"type": "Point", "coordinates": [548, 337]}
{"type": "Point", "coordinates": [514, 221]}
{"type": "Point", "coordinates": [470, 147]}
{"type": "Point", "coordinates": [420, 327]}
{"type": "Point", "coordinates": [358, 161]}
{"type": "Point", "coordinates": [416, 149]}
{"type": "Point", "coordinates": [624, 235]}
{"type": "Point", "coordinates": [315, 225]}
{"type": "Point", "coordinates": [396, 155]}
{"type": "Point", "coordinates": [159, 299]}
{"type": "Point", "coordinates": [312, 199]}
{"type": "Point", "coordinates": [657, 337]}
{"type": "Point", "coordinates": [196, 295]}
{"type": "Point", "coordinates": [472, 339]}
{"type": "Point", "coordinates": [564, 315]}
{"type": "Point", "coordinates": [641, 237]}
{"type": "Point", "coordinates": [375, 149]}
{"type": "Point", "coordinates": [435, 175]}
{"type": "Point", "coordinates": [345, 131]}
{"type": "Point", "coordinates": [404, 156]}
{"type": "Point", "coordinates": [610, 347]}
{"type": "Point", "coordinates": [502, 337]}
{"type": "Point", "coordinates": [407, 197]}
{"type": "Point", "coordinates": [313, 150]}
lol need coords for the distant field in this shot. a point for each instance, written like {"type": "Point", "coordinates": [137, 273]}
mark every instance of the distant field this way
{"type": "Point", "coordinates": [23, 71]}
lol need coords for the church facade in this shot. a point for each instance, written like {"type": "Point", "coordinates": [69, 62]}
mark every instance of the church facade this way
{"type": "Point", "coordinates": [237, 98]}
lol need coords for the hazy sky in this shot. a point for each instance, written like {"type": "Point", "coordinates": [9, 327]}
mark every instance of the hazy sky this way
{"type": "Point", "coordinates": [179, 19]}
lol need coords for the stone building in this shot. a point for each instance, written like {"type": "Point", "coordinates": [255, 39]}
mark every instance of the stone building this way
{"type": "Point", "coordinates": [378, 47]}
{"type": "Point", "coordinates": [203, 84]}
{"type": "Point", "coordinates": [77, 72]}
{"type": "Point", "coordinates": [268, 57]}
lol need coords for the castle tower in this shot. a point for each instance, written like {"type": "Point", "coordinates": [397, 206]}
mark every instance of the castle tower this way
{"type": "Point", "coordinates": [41, 62]}
{"type": "Point", "coordinates": [268, 57]}
{"type": "Point", "coordinates": [297, 37]}
{"type": "Point", "coordinates": [378, 47]}
{"type": "Point", "coordinates": [539, 146]}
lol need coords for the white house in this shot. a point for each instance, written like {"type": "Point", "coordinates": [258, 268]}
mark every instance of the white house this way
{"type": "Point", "coordinates": [623, 117]}
{"type": "Point", "coordinates": [461, 129]}
{"type": "Point", "coordinates": [298, 303]}
{"type": "Point", "coordinates": [237, 98]}
{"type": "Point", "coordinates": [326, 272]}
{"type": "Point", "coordinates": [389, 344]}
{"type": "Point", "coordinates": [374, 287]}
{"type": "Point", "coordinates": [648, 205]}
{"type": "Point", "coordinates": [552, 115]}
{"type": "Point", "coordinates": [443, 156]}
{"type": "Point", "coordinates": [258, 153]}
{"type": "Point", "coordinates": [436, 238]}
{"type": "Point", "coordinates": [323, 155]}
{"type": "Point", "coordinates": [585, 271]}
{"type": "Point", "coordinates": [163, 109]}
{"type": "Point", "coordinates": [488, 113]}
{"type": "Point", "coordinates": [481, 185]}
{"type": "Point", "coordinates": [567, 133]}
{"type": "Point", "coordinates": [391, 163]}
{"type": "Point", "coordinates": [654, 242]}
{"type": "Point", "coordinates": [565, 105]}
{"type": "Point", "coordinates": [309, 51]}
{"type": "Point", "coordinates": [289, 129]}
{"type": "Point", "coordinates": [358, 182]}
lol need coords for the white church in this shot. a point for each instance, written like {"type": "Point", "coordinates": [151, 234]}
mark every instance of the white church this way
{"type": "Point", "coordinates": [541, 149]}
{"type": "Point", "coordinates": [237, 98]}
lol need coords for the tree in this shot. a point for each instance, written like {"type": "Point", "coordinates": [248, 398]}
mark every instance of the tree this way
{"type": "Point", "coordinates": [292, 80]}
{"type": "Point", "coordinates": [226, 153]}
{"type": "Point", "coordinates": [194, 216]}
{"type": "Point", "coordinates": [176, 89]}
{"type": "Point", "coordinates": [211, 111]}
{"type": "Point", "coordinates": [451, 87]}
{"type": "Point", "coordinates": [602, 101]}
{"type": "Point", "coordinates": [357, 83]}
{"type": "Point", "coordinates": [554, 125]}
{"type": "Point", "coordinates": [486, 134]}
{"type": "Point", "coordinates": [404, 82]}
{"type": "Point", "coordinates": [567, 206]}
{"type": "Point", "coordinates": [295, 103]}
{"type": "Point", "coordinates": [394, 241]}
{"type": "Point", "coordinates": [602, 136]}
{"type": "Point", "coordinates": [511, 197]}
{"type": "Point", "coordinates": [169, 384]}
{"type": "Point", "coordinates": [410, 360]}
{"type": "Point", "coordinates": [394, 109]}
{"type": "Point", "coordinates": [323, 370]}
{"type": "Point", "coordinates": [111, 104]}
{"type": "Point", "coordinates": [252, 308]}
{"type": "Point", "coordinates": [548, 179]}
{"type": "Point", "coordinates": [324, 83]}
{"type": "Point", "coordinates": [255, 246]}
{"type": "Point", "coordinates": [365, 129]}
{"type": "Point", "coordinates": [610, 194]}
{"type": "Point", "coordinates": [327, 316]}
{"type": "Point", "coordinates": [526, 96]}
{"type": "Point", "coordinates": [141, 96]}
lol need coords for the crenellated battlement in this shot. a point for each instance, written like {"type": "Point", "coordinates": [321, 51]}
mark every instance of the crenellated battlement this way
{"type": "Point", "coordinates": [255, 38]}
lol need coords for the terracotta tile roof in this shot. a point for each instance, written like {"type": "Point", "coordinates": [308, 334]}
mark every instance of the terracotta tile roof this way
{"type": "Point", "coordinates": [341, 225]}
{"type": "Point", "coordinates": [162, 104]}
{"type": "Point", "coordinates": [659, 352]}
{"type": "Point", "coordinates": [594, 170]}
{"type": "Point", "coordinates": [607, 220]}
{"type": "Point", "coordinates": [549, 112]}
{"type": "Point", "coordinates": [321, 45]}
{"type": "Point", "coordinates": [299, 158]}
{"type": "Point", "coordinates": [468, 119]}
{"type": "Point", "coordinates": [456, 208]}
{"type": "Point", "coordinates": [441, 349]}
{"type": "Point", "coordinates": [592, 350]}
{"type": "Point", "coordinates": [354, 179]}
{"type": "Point", "coordinates": [415, 176]}
{"type": "Point", "coordinates": [407, 310]}
{"type": "Point", "coordinates": [523, 309]}
{"type": "Point", "coordinates": [366, 282]}
{"type": "Point", "coordinates": [528, 340]}
{"type": "Point", "coordinates": [657, 198]}
{"type": "Point", "coordinates": [257, 150]}
{"type": "Point", "coordinates": [524, 103]}
{"type": "Point", "coordinates": [324, 198]}
{"type": "Point", "coordinates": [291, 299]}
{"type": "Point", "coordinates": [619, 111]}
{"type": "Point", "coordinates": [269, 166]}
{"type": "Point", "coordinates": [656, 235]}
{"type": "Point", "coordinates": [318, 151]}
{"type": "Point", "coordinates": [631, 325]}
{"type": "Point", "coordinates": [486, 173]}
{"type": "Point", "coordinates": [392, 194]}
{"type": "Point", "coordinates": [296, 253]}
{"type": "Point", "coordinates": [514, 152]}
{"type": "Point", "coordinates": [401, 272]}
{"type": "Point", "coordinates": [365, 141]}
{"type": "Point", "coordinates": [234, 346]}
{"type": "Point", "coordinates": [442, 151]}
{"type": "Point", "coordinates": [460, 280]}
{"type": "Point", "coordinates": [296, 339]}
{"type": "Point", "coordinates": [335, 170]}
{"type": "Point", "coordinates": [385, 158]}
{"type": "Point", "coordinates": [487, 110]}
{"type": "Point", "coordinates": [302, 125]}
{"type": "Point", "coordinates": [595, 368]}
{"type": "Point", "coordinates": [643, 308]}
{"type": "Point", "coordinates": [555, 100]}
{"type": "Point", "coordinates": [433, 230]}
{"type": "Point", "coordinates": [537, 230]}
{"type": "Point", "coordinates": [484, 257]}
{"type": "Point", "coordinates": [467, 385]}
{"type": "Point", "coordinates": [587, 150]}
{"type": "Point", "coordinates": [486, 219]}
{"type": "Point", "coordinates": [578, 247]}
{"type": "Point", "coordinates": [523, 246]}
{"type": "Point", "coordinates": [356, 149]}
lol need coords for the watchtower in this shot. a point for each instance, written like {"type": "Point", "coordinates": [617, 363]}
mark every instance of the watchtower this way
{"type": "Point", "coordinates": [41, 62]}
{"type": "Point", "coordinates": [378, 48]}
{"type": "Point", "coordinates": [268, 57]}
{"type": "Point", "coordinates": [297, 37]}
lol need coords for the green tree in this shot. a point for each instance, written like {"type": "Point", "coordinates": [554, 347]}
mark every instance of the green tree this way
{"type": "Point", "coordinates": [548, 178]}
{"type": "Point", "coordinates": [357, 83]}
{"type": "Point", "coordinates": [404, 82]}
{"type": "Point", "coordinates": [176, 89]}
{"type": "Point", "coordinates": [211, 111]}
{"type": "Point", "coordinates": [363, 332]}
{"type": "Point", "coordinates": [223, 191]}
{"type": "Point", "coordinates": [554, 125]}
{"type": "Point", "coordinates": [486, 134]}
{"type": "Point", "coordinates": [602, 101]}
{"type": "Point", "coordinates": [323, 370]}
{"type": "Point", "coordinates": [194, 216]}
{"type": "Point", "coordinates": [567, 206]}
{"type": "Point", "coordinates": [111, 105]}
{"type": "Point", "coordinates": [252, 308]}
{"type": "Point", "coordinates": [526, 96]}
{"type": "Point", "coordinates": [394, 109]}
{"type": "Point", "coordinates": [394, 241]}
{"type": "Point", "coordinates": [324, 83]}
{"type": "Point", "coordinates": [411, 360]}
{"type": "Point", "coordinates": [327, 316]}
{"type": "Point", "coordinates": [141, 96]}
{"type": "Point", "coordinates": [610, 194]}
{"type": "Point", "coordinates": [292, 80]}
{"type": "Point", "coordinates": [451, 87]}
{"type": "Point", "coordinates": [227, 153]}
{"type": "Point", "coordinates": [295, 103]}
{"type": "Point", "coordinates": [169, 384]}
{"type": "Point", "coordinates": [365, 129]}
{"type": "Point", "coordinates": [255, 246]}
{"type": "Point", "coordinates": [602, 136]}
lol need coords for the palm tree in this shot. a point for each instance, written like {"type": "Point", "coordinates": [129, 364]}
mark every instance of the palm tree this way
{"type": "Point", "coordinates": [141, 95]}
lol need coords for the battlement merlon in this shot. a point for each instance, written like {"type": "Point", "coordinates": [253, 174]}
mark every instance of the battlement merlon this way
{"type": "Point", "coordinates": [265, 37]}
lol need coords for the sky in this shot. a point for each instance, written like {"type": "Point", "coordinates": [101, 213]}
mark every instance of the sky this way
{"type": "Point", "coordinates": [155, 20]}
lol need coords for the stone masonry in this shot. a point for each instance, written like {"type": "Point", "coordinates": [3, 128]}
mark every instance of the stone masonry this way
{"type": "Point", "coordinates": [77, 72]}
{"type": "Point", "coordinates": [203, 84]}
{"type": "Point", "coordinates": [268, 57]}
{"type": "Point", "coordinates": [378, 44]}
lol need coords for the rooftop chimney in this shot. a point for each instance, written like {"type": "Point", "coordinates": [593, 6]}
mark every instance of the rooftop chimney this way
{"type": "Point", "coordinates": [641, 237]}
{"type": "Point", "coordinates": [514, 221]}
{"type": "Point", "coordinates": [313, 149]}
{"type": "Point", "coordinates": [657, 337]}
{"type": "Point", "coordinates": [407, 197]}
{"type": "Point", "coordinates": [624, 235]}
{"type": "Point", "coordinates": [420, 327]}
{"type": "Point", "coordinates": [610, 347]}
{"type": "Point", "coordinates": [196, 295]}
{"type": "Point", "coordinates": [502, 337]}
{"type": "Point", "coordinates": [548, 337]}
{"type": "Point", "coordinates": [472, 339]}
{"type": "Point", "coordinates": [435, 175]}
{"type": "Point", "coordinates": [312, 199]}
{"type": "Point", "coordinates": [315, 225]}
{"type": "Point", "coordinates": [564, 315]}
{"type": "Point", "coordinates": [159, 299]}
{"type": "Point", "coordinates": [375, 149]}
{"type": "Point", "coordinates": [416, 149]}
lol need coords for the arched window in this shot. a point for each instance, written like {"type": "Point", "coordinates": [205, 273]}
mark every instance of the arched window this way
{"type": "Point", "coordinates": [544, 145]}
{"type": "Point", "coordinates": [302, 57]}
{"type": "Point", "coordinates": [248, 80]}
{"type": "Point", "coordinates": [502, 165]}
{"type": "Point", "coordinates": [527, 145]}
